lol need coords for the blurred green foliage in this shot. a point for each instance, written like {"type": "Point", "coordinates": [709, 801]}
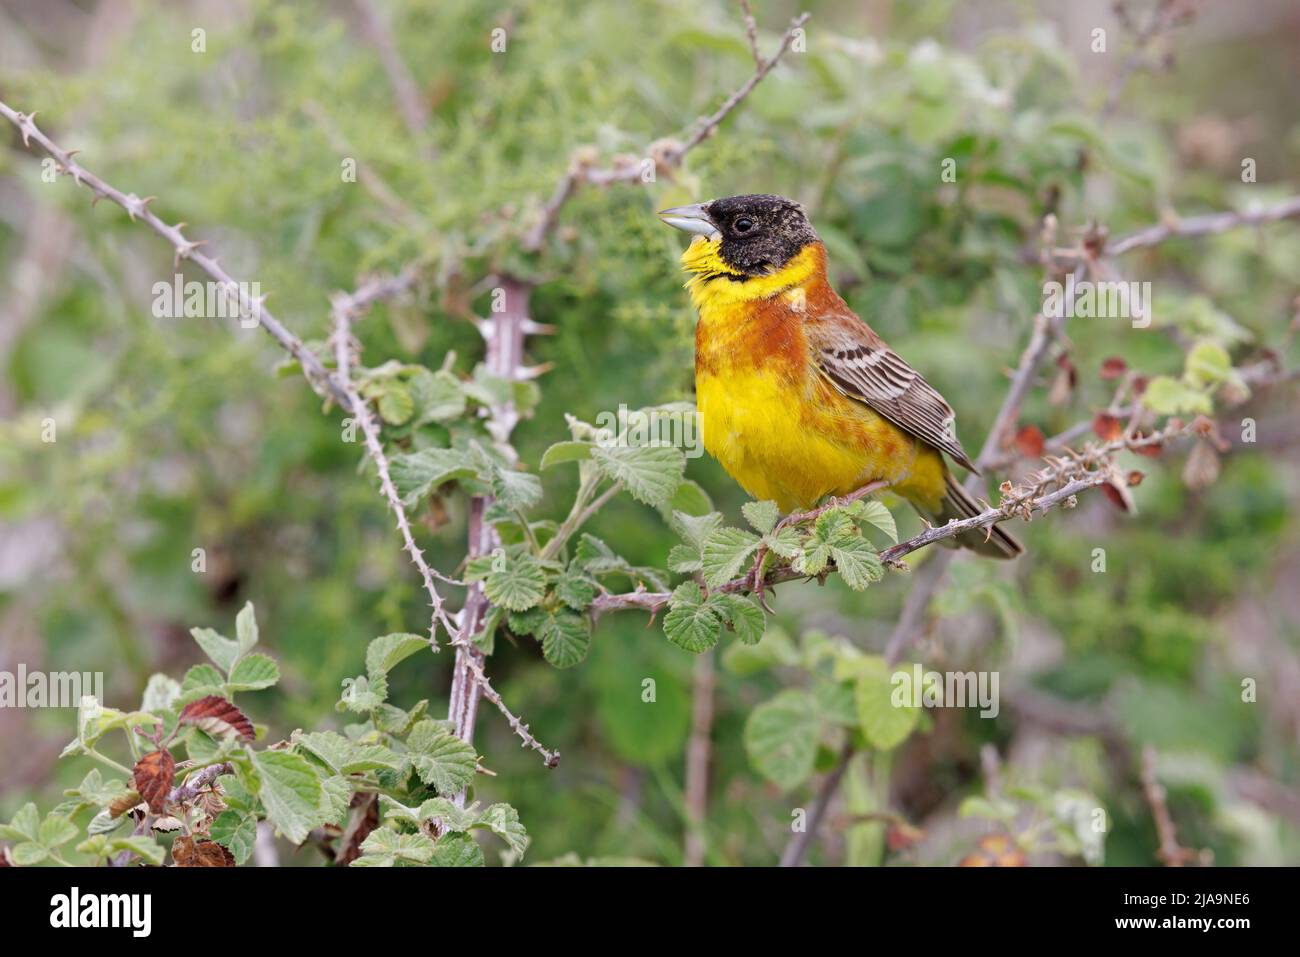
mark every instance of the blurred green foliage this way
{"type": "Point", "coordinates": [178, 434]}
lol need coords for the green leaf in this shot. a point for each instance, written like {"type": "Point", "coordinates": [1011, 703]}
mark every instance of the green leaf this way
{"type": "Point", "coordinates": [875, 514]}
{"type": "Point", "coordinates": [386, 652]}
{"type": "Point", "coordinates": [885, 724]}
{"type": "Point", "coordinates": [723, 554]}
{"type": "Point", "coordinates": [457, 850]}
{"type": "Point", "coordinates": [651, 473]}
{"type": "Point", "coordinates": [28, 853]}
{"type": "Point", "coordinates": [690, 499]}
{"type": "Point", "coordinates": [290, 791]}
{"type": "Point", "coordinates": [160, 693]}
{"type": "Point", "coordinates": [438, 396]}
{"type": "Point", "coordinates": [762, 516]}
{"type": "Point", "coordinates": [694, 529]}
{"type": "Point", "coordinates": [25, 825]}
{"type": "Point", "coordinates": [417, 474]}
{"type": "Point", "coordinates": [396, 404]}
{"type": "Point", "coordinates": [692, 622]}
{"type": "Point", "coordinates": [1169, 396]}
{"type": "Point", "coordinates": [516, 583]}
{"type": "Point", "coordinates": [565, 639]}
{"type": "Point", "coordinates": [1207, 364]}
{"type": "Point", "coordinates": [516, 490]}
{"type": "Point", "coordinates": [349, 757]}
{"type": "Point", "coordinates": [246, 633]}
{"type": "Point", "coordinates": [781, 738]}
{"type": "Point", "coordinates": [222, 650]}
{"type": "Point", "coordinates": [575, 589]}
{"type": "Point", "coordinates": [745, 617]}
{"type": "Point", "coordinates": [253, 673]}
{"type": "Point", "coordinates": [442, 760]}
{"type": "Point", "coordinates": [857, 564]}
{"type": "Point", "coordinates": [503, 821]}
{"type": "Point", "coordinates": [56, 831]}
{"type": "Point", "coordinates": [384, 847]}
{"type": "Point", "coordinates": [562, 452]}
{"type": "Point", "coordinates": [199, 682]}
{"type": "Point", "coordinates": [236, 831]}
{"type": "Point", "coordinates": [684, 559]}
{"type": "Point", "coordinates": [144, 848]}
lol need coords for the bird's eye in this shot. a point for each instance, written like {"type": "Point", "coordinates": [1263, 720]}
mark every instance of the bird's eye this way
{"type": "Point", "coordinates": [743, 225]}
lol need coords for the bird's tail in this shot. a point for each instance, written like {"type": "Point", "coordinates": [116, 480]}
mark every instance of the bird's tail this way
{"type": "Point", "coordinates": [991, 541]}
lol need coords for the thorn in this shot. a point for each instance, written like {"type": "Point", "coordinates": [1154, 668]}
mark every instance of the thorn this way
{"type": "Point", "coordinates": [532, 372]}
{"type": "Point", "coordinates": [537, 328]}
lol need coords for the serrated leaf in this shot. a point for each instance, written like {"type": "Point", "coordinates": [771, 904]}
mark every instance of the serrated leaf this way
{"type": "Point", "coordinates": [290, 791]}
{"type": "Point", "coordinates": [745, 617]}
{"type": "Point", "coordinates": [28, 853]}
{"type": "Point", "coordinates": [691, 622]}
{"type": "Point", "coordinates": [144, 848]}
{"type": "Point", "coordinates": [160, 693]}
{"type": "Point", "coordinates": [384, 847]}
{"type": "Point", "coordinates": [386, 652]}
{"type": "Point", "coordinates": [438, 396]}
{"type": "Point", "coordinates": [395, 403]}
{"type": "Point", "coordinates": [152, 776]}
{"type": "Point", "coordinates": [684, 559]}
{"type": "Point", "coordinates": [417, 474]}
{"type": "Point", "coordinates": [575, 589]}
{"type": "Point", "coordinates": [516, 490]}
{"type": "Point", "coordinates": [457, 850]}
{"type": "Point", "coordinates": [690, 499]}
{"type": "Point", "coordinates": [348, 757]}
{"type": "Point", "coordinates": [562, 452]}
{"type": "Point", "coordinates": [565, 639]}
{"type": "Point", "coordinates": [787, 542]}
{"type": "Point", "coordinates": [781, 737]}
{"type": "Point", "coordinates": [222, 650]}
{"type": "Point", "coordinates": [246, 632]}
{"type": "Point", "coordinates": [875, 514]}
{"type": "Point", "coordinates": [218, 717]}
{"type": "Point", "coordinates": [253, 673]}
{"type": "Point", "coordinates": [516, 583]}
{"type": "Point", "coordinates": [56, 830]}
{"type": "Point", "coordinates": [651, 473]}
{"type": "Point", "coordinates": [762, 516]}
{"type": "Point", "coordinates": [725, 551]}
{"type": "Point", "coordinates": [25, 825]}
{"type": "Point", "coordinates": [885, 724]}
{"type": "Point", "coordinates": [199, 681]}
{"type": "Point", "coordinates": [503, 821]}
{"type": "Point", "coordinates": [236, 831]}
{"type": "Point", "coordinates": [857, 564]}
{"type": "Point", "coordinates": [694, 529]}
{"type": "Point", "coordinates": [442, 760]}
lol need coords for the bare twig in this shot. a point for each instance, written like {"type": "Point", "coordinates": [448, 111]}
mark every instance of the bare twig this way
{"type": "Point", "coordinates": [697, 760]}
{"type": "Point", "coordinates": [666, 154]}
{"type": "Point", "coordinates": [799, 845]}
{"type": "Point", "coordinates": [751, 32]}
{"type": "Point", "coordinates": [1170, 852]}
{"type": "Point", "coordinates": [405, 90]}
{"type": "Point", "coordinates": [1189, 226]}
{"type": "Point", "coordinates": [198, 783]}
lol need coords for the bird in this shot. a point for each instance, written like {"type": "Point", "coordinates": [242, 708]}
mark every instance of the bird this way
{"type": "Point", "coordinates": [798, 398]}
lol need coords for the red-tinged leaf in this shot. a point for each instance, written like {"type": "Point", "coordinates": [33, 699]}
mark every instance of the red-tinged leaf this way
{"type": "Point", "coordinates": [123, 804]}
{"type": "Point", "coordinates": [188, 853]}
{"type": "Point", "coordinates": [1139, 384]}
{"type": "Point", "coordinates": [1119, 497]}
{"type": "Point", "coordinates": [153, 775]}
{"type": "Point", "coordinates": [1064, 363]}
{"type": "Point", "coordinates": [218, 717]}
{"type": "Point", "coordinates": [1029, 441]}
{"type": "Point", "coordinates": [1108, 427]}
{"type": "Point", "coordinates": [1113, 368]}
{"type": "Point", "coordinates": [1134, 478]}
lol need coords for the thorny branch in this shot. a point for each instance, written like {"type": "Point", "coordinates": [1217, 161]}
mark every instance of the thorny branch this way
{"type": "Point", "coordinates": [666, 154]}
{"type": "Point", "coordinates": [345, 308]}
{"type": "Point", "coordinates": [317, 375]}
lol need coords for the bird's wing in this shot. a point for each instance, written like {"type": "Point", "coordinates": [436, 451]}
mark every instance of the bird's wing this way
{"type": "Point", "coordinates": [860, 365]}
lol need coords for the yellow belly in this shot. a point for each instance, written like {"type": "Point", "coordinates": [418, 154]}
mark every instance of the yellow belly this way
{"type": "Point", "coordinates": [796, 442]}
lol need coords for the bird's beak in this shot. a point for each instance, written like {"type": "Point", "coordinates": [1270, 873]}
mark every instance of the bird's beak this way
{"type": "Point", "coordinates": [690, 219]}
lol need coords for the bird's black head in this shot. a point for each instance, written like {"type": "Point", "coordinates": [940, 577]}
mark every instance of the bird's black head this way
{"type": "Point", "coordinates": [757, 234]}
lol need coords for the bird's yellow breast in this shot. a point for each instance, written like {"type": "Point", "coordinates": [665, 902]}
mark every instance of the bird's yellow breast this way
{"type": "Point", "coordinates": [768, 414]}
